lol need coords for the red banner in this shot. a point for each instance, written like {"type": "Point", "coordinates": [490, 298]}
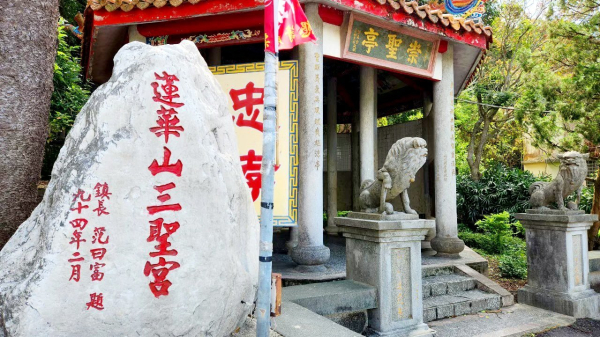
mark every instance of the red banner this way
{"type": "Point", "coordinates": [293, 26]}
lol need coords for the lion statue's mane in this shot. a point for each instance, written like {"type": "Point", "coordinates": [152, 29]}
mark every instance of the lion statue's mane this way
{"type": "Point", "coordinates": [403, 161]}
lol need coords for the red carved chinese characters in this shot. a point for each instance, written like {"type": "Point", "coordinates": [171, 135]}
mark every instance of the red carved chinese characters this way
{"type": "Point", "coordinates": [176, 168]}
{"type": "Point", "coordinates": [246, 98]}
{"type": "Point", "coordinates": [168, 124]}
{"type": "Point", "coordinates": [160, 232]}
{"type": "Point", "coordinates": [169, 90]}
{"type": "Point", "coordinates": [81, 237]}
{"type": "Point", "coordinates": [97, 275]}
{"type": "Point", "coordinates": [96, 301]}
{"type": "Point", "coordinates": [102, 191]}
{"type": "Point", "coordinates": [160, 286]}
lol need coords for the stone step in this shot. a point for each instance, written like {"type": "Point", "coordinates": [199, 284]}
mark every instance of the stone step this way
{"type": "Point", "coordinates": [330, 298]}
{"type": "Point", "coordinates": [435, 271]}
{"type": "Point", "coordinates": [460, 303]}
{"type": "Point", "coordinates": [446, 285]}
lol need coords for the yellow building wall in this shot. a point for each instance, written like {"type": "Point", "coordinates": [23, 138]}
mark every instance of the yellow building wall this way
{"type": "Point", "coordinates": [538, 169]}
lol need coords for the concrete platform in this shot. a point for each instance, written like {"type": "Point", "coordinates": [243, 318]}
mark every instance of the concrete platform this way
{"type": "Point", "coordinates": [467, 257]}
{"type": "Point", "coordinates": [516, 320]}
{"type": "Point", "coordinates": [336, 266]}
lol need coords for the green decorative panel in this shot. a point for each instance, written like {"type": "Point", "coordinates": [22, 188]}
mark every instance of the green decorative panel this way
{"type": "Point", "coordinates": [387, 45]}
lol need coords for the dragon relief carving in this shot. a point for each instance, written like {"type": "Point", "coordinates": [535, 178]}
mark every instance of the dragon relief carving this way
{"type": "Point", "coordinates": [571, 176]}
{"type": "Point", "coordinates": [403, 161]}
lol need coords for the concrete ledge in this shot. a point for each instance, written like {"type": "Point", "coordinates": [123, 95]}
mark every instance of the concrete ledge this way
{"type": "Point", "coordinates": [487, 285]}
{"type": "Point", "coordinates": [296, 321]}
{"type": "Point", "coordinates": [333, 297]}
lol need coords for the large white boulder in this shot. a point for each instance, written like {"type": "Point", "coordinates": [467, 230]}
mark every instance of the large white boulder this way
{"type": "Point", "coordinates": [171, 244]}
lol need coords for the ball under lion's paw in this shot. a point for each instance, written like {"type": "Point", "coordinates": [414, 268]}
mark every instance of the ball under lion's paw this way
{"type": "Point", "coordinates": [389, 209]}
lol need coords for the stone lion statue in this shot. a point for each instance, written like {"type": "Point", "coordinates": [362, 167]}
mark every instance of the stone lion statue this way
{"type": "Point", "coordinates": [571, 176]}
{"type": "Point", "coordinates": [403, 161]}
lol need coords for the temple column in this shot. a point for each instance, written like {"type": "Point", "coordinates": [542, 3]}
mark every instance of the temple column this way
{"type": "Point", "coordinates": [446, 242]}
{"type": "Point", "coordinates": [310, 253]}
{"type": "Point", "coordinates": [368, 122]}
{"type": "Point", "coordinates": [331, 156]}
{"type": "Point", "coordinates": [355, 143]}
{"type": "Point", "coordinates": [214, 56]}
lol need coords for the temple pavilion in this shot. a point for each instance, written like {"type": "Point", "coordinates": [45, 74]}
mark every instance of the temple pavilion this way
{"type": "Point", "coordinates": [373, 59]}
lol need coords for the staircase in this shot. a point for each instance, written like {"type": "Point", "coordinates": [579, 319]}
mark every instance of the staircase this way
{"type": "Point", "coordinates": [454, 291]}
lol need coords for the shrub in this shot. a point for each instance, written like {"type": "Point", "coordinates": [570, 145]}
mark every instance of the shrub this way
{"type": "Point", "coordinates": [499, 189]}
{"type": "Point", "coordinates": [498, 231]}
{"type": "Point", "coordinates": [497, 235]}
{"type": "Point", "coordinates": [476, 240]}
{"type": "Point", "coordinates": [513, 265]}
{"type": "Point", "coordinates": [70, 91]}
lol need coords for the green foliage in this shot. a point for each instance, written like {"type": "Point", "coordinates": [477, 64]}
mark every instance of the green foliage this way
{"type": "Point", "coordinates": [560, 103]}
{"type": "Point", "coordinates": [341, 214]}
{"type": "Point", "coordinates": [513, 265]}
{"type": "Point", "coordinates": [486, 132]}
{"type": "Point", "coordinates": [69, 8]}
{"type": "Point", "coordinates": [498, 232]}
{"type": "Point", "coordinates": [411, 115]}
{"type": "Point", "coordinates": [497, 236]}
{"type": "Point", "coordinates": [497, 228]}
{"type": "Point", "coordinates": [486, 244]}
{"type": "Point", "coordinates": [70, 92]}
{"type": "Point", "coordinates": [499, 189]}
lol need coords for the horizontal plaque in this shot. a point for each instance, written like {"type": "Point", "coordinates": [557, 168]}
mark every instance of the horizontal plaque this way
{"type": "Point", "coordinates": [390, 46]}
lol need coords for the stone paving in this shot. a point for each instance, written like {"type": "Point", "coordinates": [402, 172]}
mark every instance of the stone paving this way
{"type": "Point", "coordinates": [516, 320]}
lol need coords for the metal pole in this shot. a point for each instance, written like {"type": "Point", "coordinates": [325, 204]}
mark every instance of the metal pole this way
{"type": "Point", "coordinates": [263, 304]}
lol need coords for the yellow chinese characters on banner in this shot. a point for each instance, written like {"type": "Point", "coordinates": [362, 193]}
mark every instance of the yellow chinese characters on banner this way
{"type": "Point", "coordinates": [244, 86]}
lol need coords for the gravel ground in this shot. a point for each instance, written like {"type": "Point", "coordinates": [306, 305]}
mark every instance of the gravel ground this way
{"type": "Point", "coordinates": [249, 330]}
{"type": "Point", "coordinates": [582, 328]}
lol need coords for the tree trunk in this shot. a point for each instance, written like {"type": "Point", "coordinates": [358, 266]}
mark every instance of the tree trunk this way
{"type": "Point", "coordinates": [471, 160]}
{"type": "Point", "coordinates": [593, 231]}
{"type": "Point", "coordinates": [27, 50]}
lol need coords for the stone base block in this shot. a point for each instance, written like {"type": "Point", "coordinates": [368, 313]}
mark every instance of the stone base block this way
{"type": "Point", "coordinates": [397, 216]}
{"type": "Point", "coordinates": [579, 305]}
{"type": "Point", "coordinates": [449, 246]}
{"type": "Point", "coordinates": [421, 330]}
{"type": "Point", "coordinates": [310, 258]}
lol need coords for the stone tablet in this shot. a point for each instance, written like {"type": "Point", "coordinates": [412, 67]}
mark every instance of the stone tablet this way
{"type": "Point", "coordinates": [147, 227]}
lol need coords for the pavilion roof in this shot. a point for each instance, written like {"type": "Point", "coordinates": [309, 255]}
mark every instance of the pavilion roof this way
{"type": "Point", "coordinates": [424, 12]}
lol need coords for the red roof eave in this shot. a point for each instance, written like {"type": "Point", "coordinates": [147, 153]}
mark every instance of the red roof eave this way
{"type": "Point", "coordinates": [406, 13]}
